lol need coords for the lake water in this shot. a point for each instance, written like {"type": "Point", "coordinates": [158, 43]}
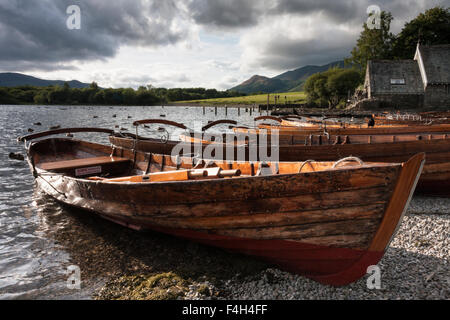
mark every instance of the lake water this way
{"type": "Point", "coordinates": [39, 238]}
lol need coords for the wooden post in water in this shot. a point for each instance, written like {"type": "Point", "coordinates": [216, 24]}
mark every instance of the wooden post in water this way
{"type": "Point", "coordinates": [204, 110]}
{"type": "Point", "coordinates": [239, 111]}
{"type": "Point", "coordinates": [251, 111]}
{"type": "Point", "coordinates": [216, 110]}
{"type": "Point", "coordinates": [226, 111]}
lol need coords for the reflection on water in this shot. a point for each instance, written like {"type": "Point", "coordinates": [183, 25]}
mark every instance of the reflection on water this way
{"type": "Point", "coordinates": [40, 238]}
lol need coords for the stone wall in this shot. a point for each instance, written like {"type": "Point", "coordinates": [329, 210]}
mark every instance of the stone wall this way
{"type": "Point", "coordinates": [400, 101]}
{"type": "Point", "coordinates": [437, 96]}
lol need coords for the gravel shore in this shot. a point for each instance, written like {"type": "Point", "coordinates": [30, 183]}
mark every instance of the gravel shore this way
{"type": "Point", "coordinates": [416, 266]}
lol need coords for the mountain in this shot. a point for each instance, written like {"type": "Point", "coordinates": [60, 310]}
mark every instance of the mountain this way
{"type": "Point", "coordinates": [18, 79]}
{"type": "Point", "coordinates": [261, 84]}
{"type": "Point", "coordinates": [288, 81]}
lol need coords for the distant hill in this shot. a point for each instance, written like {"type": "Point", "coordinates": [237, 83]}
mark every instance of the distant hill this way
{"type": "Point", "coordinates": [288, 81]}
{"type": "Point", "coordinates": [261, 84]}
{"type": "Point", "coordinates": [18, 79]}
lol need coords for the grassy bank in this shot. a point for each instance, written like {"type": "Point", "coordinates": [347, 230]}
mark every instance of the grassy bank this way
{"type": "Point", "coordinates": [288, 97]}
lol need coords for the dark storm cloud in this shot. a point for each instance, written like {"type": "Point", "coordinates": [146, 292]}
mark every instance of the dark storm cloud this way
{"type": "Point", "coordinates": [230, 14]}
{"type": "Point", "coordinates": [354, 11]}
{"type": "Point", "coordinates": [332, 30]}
{"type": "Point", "coordinates": [36, 31]}
{"type": "Point", "coordinates": [234, 14]}
{"type": "Point", "coordinates": [33, 34]}
{"type": "Point", "coordinates": [339, 11]}
{"type": "Point", "coordinates": [286, 55]}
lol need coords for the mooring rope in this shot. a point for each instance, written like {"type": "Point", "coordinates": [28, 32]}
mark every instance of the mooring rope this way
{"type": "Point", "coordinates": [304, 164]}
{"type": "Point", "coordinates": [360, 162]}
{"type": "Point", "coordinates": [61, 193]}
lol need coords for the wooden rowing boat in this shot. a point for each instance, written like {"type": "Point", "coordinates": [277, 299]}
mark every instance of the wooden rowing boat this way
{"type": "Point", "coordinates": [410, 120]}
{"type": "Point", "coordinates": [310, 124]}
{"type": "Point", "coordinates": [326, 220]}
{"type": "Point", "coordinates": [435, 179]}
{"type": "Point", "coordinates": [435, 114]}
{"type": "Point", "coordinates": [347, 130]}
{"type": "Point", "coordinates": [380, 121]}
{"type": "Point", "coordinates": [422, 129]}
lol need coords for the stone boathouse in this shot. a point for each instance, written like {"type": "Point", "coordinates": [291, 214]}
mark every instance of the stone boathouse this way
{"type": "Point", "coordinates": [421, 82]}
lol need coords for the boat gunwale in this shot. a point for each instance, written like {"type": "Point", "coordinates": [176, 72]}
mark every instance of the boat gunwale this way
{"type": "Point", "coordinates": [365, 166]}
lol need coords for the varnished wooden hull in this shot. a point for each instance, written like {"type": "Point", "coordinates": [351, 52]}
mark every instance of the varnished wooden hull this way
{"type": "Point", "coordinates": [435, 179]}
{"type": "Point", "coordinates": [328, 265]}
{"type": "Point", "coordinates": [439, 128]}
{"type": "Point", "coordinates": [328, 225]}
{"type": "Point", "coordinates": [331, 125]}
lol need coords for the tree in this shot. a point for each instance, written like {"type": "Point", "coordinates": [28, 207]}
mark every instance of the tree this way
{"type": "Point", "coordinates": [41, 98]}
{"type": "Point", "coordinates": [94, 86]}
{"type": "Point", "coordinates": [6, 97]}
{"type": "Point", "coordinates": [331, 87]}
{"type": "Point", "coordinates": [77, 96]}
{"type": "Point", "coordinates": [129, 96]}
{"type": "Point", "coordinates": [99, 97]}
{"type": "Point", "coordinates": [373, 43]}
{"type": "Point", "coordinates": [315, 87]}
{"type": "Point", "coordinates": [432, 26]}
{"type": "Point", "coordinates": [341, 83]}
{"type": "Point", "coordinates": [146, 98]}
{"type": "Point", "coordinates": [58, 95]}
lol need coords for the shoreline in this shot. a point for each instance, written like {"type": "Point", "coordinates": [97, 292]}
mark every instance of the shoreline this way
{"type": "Point", "coordinates": [415, 267]}
{"type": "Point", "coordinates": [273, 110]}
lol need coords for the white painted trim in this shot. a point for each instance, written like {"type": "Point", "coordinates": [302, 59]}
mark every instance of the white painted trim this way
{"type": "Point", "coordinates": [423, 73]}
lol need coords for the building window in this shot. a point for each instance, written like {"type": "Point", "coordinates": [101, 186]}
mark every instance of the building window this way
{"type": "Point", "coordinates": [397, 81]}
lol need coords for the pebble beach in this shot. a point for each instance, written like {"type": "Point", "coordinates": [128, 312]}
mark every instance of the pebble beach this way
{"type": "Point", "coordinates": [416, 266]}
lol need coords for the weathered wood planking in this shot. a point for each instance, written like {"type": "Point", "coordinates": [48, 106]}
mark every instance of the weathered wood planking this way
{"type": "Point", "coordinates": [328, 224]}
{"type": "Point", "coordinates": [436, 146]}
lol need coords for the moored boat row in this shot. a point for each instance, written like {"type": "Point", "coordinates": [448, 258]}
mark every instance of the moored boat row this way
{"type": "Point", "coordinates": [302, 146]}
{"type": "Point", "coordinates": [328, 219]}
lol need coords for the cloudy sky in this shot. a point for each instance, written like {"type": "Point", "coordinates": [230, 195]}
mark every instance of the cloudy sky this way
{"type": "Point", "coordinates": [183, 43]}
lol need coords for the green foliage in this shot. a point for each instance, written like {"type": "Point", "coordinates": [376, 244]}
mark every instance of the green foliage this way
{"type": "Point", "coordinates": [373, 43]}
{"type": "Point", "coordinates": [342, 83]}
{"type": "Point", "coordinates": [433, 27]}
{"type": "Point", "coordinates": [192, 94]}
{"type": "Point", "coordinates": [94, 95]}
{"type": "Point", "coordinates": [6, 97]}
{"type": "Point", "coordinates": [315, 88]}
{"type": "Point", "coordinates": [331, 88]}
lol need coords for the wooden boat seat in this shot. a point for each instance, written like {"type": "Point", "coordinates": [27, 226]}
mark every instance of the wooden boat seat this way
{"type": "Point", "coordinates": [81, 163]}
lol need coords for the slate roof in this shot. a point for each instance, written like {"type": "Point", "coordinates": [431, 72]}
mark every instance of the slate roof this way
{"type": "Point", "coordinates": [381, 72]}
{"type": "Point", "coordinates": [436, 63]}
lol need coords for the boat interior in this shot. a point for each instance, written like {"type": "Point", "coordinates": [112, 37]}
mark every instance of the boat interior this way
{"type": "Point", "coordinates": [97, 162]}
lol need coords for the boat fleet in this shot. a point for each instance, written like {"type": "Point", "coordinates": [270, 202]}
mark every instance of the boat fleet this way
{"type": "Point", "coordinates": [326, 202]}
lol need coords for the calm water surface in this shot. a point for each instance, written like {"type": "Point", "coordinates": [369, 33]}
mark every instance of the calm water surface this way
{"type": "Point", "coordinates": [34, 249]}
